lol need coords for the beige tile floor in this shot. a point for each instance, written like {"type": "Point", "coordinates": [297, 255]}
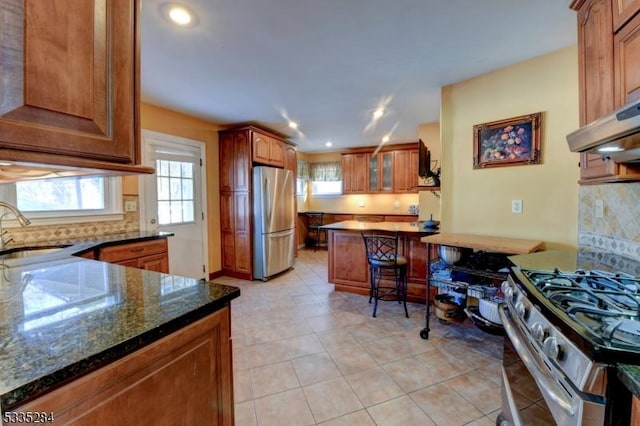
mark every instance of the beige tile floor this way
{"type": "Point", "coordinates": [305, 354]}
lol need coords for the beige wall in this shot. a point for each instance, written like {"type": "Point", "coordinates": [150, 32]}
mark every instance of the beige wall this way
{"type": "Point", "coordinates": [479, 201]}
{"type": "Point", "coordinates": [166, 121]}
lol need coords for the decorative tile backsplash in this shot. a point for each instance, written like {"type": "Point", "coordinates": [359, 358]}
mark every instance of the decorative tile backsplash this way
{"type": "Point", "coordinates": [60, 233]}
{"type": "Point", "coordinates": [618, 231]}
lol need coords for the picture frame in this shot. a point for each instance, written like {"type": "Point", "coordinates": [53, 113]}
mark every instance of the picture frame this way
{"type": "Point", "coordinates": [511, 142]}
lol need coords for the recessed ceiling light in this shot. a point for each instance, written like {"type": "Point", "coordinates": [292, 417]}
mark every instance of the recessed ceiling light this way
{"type": "Point", "coordinates": [178, 14]}
{"type": "Point", "coordinates": [378, 113]}
{"type": "Point", "coordinates": [328, 143]}
{"type": "Point", "coordinates": [385, 139]}
{"type": "Point", "coordinates": [293, 124]}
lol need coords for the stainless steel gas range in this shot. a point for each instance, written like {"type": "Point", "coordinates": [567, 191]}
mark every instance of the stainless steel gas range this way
{"type": "Point", "coordinates": [566, 329]}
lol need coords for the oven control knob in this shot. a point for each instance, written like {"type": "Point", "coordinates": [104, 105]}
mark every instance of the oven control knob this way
{"type": "Point", "coordinates": [539, 332]}
{"type": "Point", "coordinates": [507, 290]}
{"type": "Point", "coordinates": [552, 348]}
{"type": "Point", "coordinates": [521, 310]}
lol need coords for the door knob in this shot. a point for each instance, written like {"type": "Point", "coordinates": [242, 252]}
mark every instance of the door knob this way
{"type": "Point", "coordinates": [153, 221]}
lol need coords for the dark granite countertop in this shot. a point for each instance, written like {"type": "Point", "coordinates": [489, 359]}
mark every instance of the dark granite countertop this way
{"type": "Point", "coordinates": [63, 316]}
{"type": "Point", "coordinates": [401, 227]}
{"type": "Point", "coordinates": [630, 376]}
{"type": "Point", "coordinates": [572, 260]}
{"type": "Point", "coordinates": [358, 213]}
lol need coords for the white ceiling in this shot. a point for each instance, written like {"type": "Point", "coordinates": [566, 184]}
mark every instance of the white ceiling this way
{"type": "Point", "coordinates": [327, 64]}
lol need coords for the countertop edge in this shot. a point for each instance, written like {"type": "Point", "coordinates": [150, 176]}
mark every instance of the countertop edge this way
{"type": "Point", "coordinates": [629, 375]}
{"type": "Point", "coordinates": [486, 242]}
{"type": "Point", "coordinates": [71, 372]}
{"type": "Point", "coordinates": [400, 227]}
{"type": "Point", "coordinates": [76, 246]}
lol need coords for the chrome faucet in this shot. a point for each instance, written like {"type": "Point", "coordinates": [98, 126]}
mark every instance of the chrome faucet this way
{"type": "Point", "coordinates": [18, 214]}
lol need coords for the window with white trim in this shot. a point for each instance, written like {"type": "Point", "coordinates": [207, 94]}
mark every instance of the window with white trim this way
{"type": "Point", "coordinates": [326, 178]}
{"type": "Point", "coordinates": [66, 199]}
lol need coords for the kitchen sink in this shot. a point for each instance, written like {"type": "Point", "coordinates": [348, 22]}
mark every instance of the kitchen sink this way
{"type": "Point", "coordinates": [16, 253]}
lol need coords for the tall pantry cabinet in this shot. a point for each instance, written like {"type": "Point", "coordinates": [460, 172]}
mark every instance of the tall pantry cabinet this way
{"type": "Point", "coordinates": [240, 149]}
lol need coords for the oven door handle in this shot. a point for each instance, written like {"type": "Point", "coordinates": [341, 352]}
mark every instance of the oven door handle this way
{"type": "Point", "coordinates": [547, 386]}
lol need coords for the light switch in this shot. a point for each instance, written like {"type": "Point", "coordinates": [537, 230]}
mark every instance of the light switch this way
{"type": "Point", "coordinates": [516, 206]}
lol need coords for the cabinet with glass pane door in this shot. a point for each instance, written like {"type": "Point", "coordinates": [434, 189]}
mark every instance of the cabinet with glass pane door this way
{"type": "Point", "coordinates": [381, 172]}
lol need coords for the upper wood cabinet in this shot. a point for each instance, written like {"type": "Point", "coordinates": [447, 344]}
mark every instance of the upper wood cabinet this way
{"type": "Point", "coordinates": [623, 10]}
{"type": "Point", "coordinates": [595, 57]}
{"type": "Point", "coordinates": [355, 169]}
{"type": "Point", "coordinates": [291, 163]}
{"type": "Point", "coordinates": [608, 73]}
{"type": "Point", "coordinates": [405, 170]}
{"type": "Point", "coordinates": [69, 93]}
{"type": "Point", "coordinates": [290, 158]}
{"type": "Point", "coordinates": [393, 169]}
{"type": "Point", "coordinates": [626, 56]}
{"type": "Point", "coordinates": [235, 161]}
{"type": "Point", "coordinates": [267, 149]}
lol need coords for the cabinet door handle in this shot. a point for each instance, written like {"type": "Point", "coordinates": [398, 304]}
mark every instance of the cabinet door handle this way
{"type": "Point", "coordinates": [137, 250]}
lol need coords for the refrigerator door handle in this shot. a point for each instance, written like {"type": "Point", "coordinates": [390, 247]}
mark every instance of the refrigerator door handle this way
{"type": "Point", "coordinates": [266, 200]}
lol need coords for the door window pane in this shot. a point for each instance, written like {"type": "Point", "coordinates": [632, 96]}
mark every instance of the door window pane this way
{"type": "Point", "coordinates": [187, 211]}
{"type": "Point", "coordinates": [175, 192]}
{"type": "Point", "coordinates": [164, 212]}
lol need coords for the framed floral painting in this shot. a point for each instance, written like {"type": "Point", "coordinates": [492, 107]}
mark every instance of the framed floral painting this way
{"type": "Point", "coordinates": [511, 142]}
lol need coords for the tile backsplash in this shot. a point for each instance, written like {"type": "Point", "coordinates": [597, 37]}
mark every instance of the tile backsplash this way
{"type": "Point", "coordinates": [618, 230]}
{"type": "Point", "coordinates": [39, 234]}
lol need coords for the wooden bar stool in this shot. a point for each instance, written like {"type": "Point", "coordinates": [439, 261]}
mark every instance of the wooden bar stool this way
{"type": "Point", "coordinates": [384, 261]}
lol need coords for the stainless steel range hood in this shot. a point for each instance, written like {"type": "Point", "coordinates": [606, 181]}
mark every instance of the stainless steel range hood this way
{"type": "Point", "coordinates": [615, 136]}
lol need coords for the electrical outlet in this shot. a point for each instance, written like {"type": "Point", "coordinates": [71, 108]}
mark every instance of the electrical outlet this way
{"type": "Point", "coordinates": [361, 203]}
{"type": "Point", "coordinates": [130, 206]}
{"type": "Point", "coordinates": [516, 206]}
{"type": "Point", "coordinates": [599, 209]}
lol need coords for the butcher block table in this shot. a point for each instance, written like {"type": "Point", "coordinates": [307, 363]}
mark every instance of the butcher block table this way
{"type": "Point", "coordinates": [476, 242]}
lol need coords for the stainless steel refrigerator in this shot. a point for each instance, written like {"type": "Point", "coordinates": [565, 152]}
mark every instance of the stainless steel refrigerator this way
{"type": "Point", "coordinates": [274, 221]}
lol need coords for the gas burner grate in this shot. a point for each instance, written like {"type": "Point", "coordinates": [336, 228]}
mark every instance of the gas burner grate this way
{"type": "Point", "coordinates": [606, 304]}
{"type": "Point", "coordinates": [593, 280]}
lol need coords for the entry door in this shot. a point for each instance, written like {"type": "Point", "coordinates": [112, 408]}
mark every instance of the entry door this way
{"type": "Point", "coordinates": [172, 200]}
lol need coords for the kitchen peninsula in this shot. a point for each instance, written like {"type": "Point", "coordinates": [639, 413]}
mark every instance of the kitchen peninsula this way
{"type": "Point", "coordinates": [348, 268]}
{"type": "Point", "coordinates": [90, 342]}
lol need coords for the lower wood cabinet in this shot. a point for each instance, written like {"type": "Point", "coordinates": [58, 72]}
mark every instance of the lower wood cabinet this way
{"type": "Point", "coordinates": [185, 378]}
{"type": "Point", "coordinates": [152, 255]}
{"type": "Point", "coordinates": [349, 271]}
{"type": "Point", "coordinates": [635, 411]}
